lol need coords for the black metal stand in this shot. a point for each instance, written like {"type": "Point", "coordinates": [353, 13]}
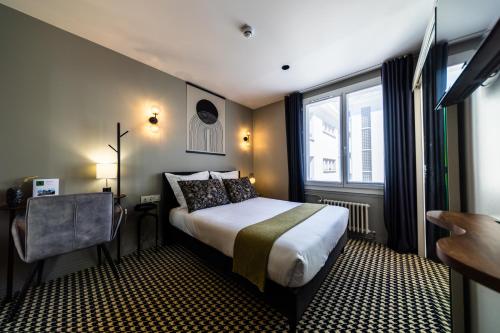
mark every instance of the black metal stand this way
{"type": "Point", "coordinates": [119, 135]}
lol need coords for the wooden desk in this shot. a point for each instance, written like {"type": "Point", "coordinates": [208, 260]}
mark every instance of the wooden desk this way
{"type": "Point", "coordinates": [10, 254]}
{"type": "Point", "coordinates": [473, 248]}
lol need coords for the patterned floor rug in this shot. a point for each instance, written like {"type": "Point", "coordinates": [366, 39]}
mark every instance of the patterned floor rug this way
{"type": "Point", "coordinates": [370, 288]}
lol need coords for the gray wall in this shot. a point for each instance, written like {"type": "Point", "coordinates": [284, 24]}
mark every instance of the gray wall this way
{"type": "Point", "coordinates": [270, 153]}
{"type": "Point", "coordinates": [60, 99]}
{"type": "Point", "coordinates": [270, 160]}
{"type": "Point", "coordinates": [482, 188]}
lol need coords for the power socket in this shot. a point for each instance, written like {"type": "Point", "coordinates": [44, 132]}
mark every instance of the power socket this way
{"type": "Point", "coordinates": [150, 198]}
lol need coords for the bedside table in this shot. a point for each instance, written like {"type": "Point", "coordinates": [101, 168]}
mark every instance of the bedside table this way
{"type": "Point", "coordinates": [146, 209]}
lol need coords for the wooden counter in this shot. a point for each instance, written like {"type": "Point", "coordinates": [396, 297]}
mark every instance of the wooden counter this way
{"type": "Point", "coordinates": [473, 248]}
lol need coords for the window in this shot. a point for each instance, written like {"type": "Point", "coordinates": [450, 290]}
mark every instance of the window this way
{"type": "Point", "coordinates": [366, 136]}
{"type": "Point", "coordinates": [348, 132]}
{"type": "Point", "coordinates": [323, 121]}
{"type": "Point", "coordinates": [452, 74]}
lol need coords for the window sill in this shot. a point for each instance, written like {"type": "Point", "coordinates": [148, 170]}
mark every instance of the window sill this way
{"type": "Point", "coordinates": [374, 190]}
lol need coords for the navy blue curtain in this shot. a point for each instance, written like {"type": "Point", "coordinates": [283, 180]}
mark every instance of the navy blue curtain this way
{"type": "Point", "coordinates": [400, 195]}
{"type": "Point", "coordinates": [294, 117]}
{"type": "Point", "coordinates": [436, 191]}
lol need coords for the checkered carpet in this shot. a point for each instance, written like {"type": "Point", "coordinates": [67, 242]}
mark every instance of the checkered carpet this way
{"type": "Point", "coordinates": [370, 288]}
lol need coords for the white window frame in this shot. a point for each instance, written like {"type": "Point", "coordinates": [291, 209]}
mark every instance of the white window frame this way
{"type": "Point", "coordinates": [343, 164]}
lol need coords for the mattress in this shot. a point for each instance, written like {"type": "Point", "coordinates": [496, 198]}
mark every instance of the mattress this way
{"type": "Point", "coordinates": [295, 257]}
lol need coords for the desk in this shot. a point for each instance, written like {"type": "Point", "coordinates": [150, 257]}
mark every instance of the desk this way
{"type": "Point", "coordinates": [10, 254]}
{"type": "Point", "coordinates": [473, 248]}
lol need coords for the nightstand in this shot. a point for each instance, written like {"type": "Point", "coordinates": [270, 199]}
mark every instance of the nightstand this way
{"type": "Point", "coordinates": [146, 209]}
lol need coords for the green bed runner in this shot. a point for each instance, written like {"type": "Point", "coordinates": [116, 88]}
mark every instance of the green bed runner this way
{"type": "Point", "coordinates": [253, 243]}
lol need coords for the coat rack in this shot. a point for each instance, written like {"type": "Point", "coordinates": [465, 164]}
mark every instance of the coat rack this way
{"type": "Point", "coordinates": [118, 197]}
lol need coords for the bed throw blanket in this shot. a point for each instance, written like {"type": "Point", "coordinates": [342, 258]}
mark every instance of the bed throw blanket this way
{"type": "Point", "coordinates": [253, 243]}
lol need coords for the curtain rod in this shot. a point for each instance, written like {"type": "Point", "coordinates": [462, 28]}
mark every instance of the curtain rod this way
{"type": "Point", "coordinates": [342, 78]}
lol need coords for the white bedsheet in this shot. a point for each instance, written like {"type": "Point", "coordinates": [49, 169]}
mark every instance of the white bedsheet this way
{"type": "Point", "coordinates": [295, 257]}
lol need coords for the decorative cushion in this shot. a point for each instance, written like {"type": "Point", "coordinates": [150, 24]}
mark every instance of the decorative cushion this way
{"type": "Point", "coordinates": [200, 194]}
{"type": "Point", "coordinates": [239, 189]}
{"type": "Point", "coordinates": [224, 175]}
{"type": "Point", "coordinates": [174, 179]}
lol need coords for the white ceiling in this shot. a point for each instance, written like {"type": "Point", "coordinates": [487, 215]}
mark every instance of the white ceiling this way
{"type": "Point", "coordinates": [200, 41]}
{"type": "Point", "coordinates": [461, 18]}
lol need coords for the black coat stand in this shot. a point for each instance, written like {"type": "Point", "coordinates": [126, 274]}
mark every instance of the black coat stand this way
{"type": "Point", "coordinates": [118, 197]}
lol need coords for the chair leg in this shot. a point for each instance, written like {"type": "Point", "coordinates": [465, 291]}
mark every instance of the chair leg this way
{"type": "Point", "coordinates": [18, 301]}
{"type": "Point", "coordinates": [40, 273]}
{"type": "Point", "coordinates": [139, 222]}
{"type": "Point", "coordinates": [110, 260]}
{"type": "Point", "coordinates": [156, 232]}
{"type": "Point", "coordinates": [99, 256]}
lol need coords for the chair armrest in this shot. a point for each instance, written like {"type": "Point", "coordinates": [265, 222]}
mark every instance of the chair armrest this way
{"type": "Point", "coordinates": [119, 216]}
{"type": "Point", "coordinates": [18, 231]}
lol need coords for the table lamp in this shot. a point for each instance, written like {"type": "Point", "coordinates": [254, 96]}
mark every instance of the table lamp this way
{"type": "Point", "coordinates": [106, 171]}
{"type": "Point", "coordinates": [252, 178]}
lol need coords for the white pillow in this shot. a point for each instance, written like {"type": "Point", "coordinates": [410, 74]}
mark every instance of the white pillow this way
{"type": "Point", "coordinates": [224, 175]}
{"type": "Point", "coordinates": [173, 181]}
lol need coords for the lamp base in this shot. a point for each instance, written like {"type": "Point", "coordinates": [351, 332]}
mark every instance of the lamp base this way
{"type": "Point", "coordinates": [106, 189]}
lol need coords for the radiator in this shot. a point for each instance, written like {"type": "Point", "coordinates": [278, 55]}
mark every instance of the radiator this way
{"type": "Point", "coordinates": [358, 215]}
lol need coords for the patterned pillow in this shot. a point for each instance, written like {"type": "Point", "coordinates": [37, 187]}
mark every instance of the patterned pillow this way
{"type": "Point", "coordinates": [200, 194]}
{"type": "Point", "coordinates": [239, 190]}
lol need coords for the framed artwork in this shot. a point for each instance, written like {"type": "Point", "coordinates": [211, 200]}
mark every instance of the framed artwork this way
{"type": "Point", "coordinates": [206, 121]}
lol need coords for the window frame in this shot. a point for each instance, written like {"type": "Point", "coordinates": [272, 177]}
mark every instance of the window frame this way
{"type": "Point", "coordinates": [343, 164]}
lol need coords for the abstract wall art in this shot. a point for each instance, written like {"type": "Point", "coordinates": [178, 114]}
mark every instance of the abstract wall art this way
{"type": "Point", "coordinates": [206, 121]}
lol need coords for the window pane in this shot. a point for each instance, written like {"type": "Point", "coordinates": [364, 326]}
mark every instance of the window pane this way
{"type": "Point", "coordinates": [366, 136]}
{"type": "Point", "coordinates": [453, 72]}
{"type": "Point", "coordinates": [323, 142]}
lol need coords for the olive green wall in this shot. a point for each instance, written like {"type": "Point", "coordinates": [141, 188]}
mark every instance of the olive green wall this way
{"type": "Point", "coordinates": [270, 153]}
{"type": "Point", "coordinates": [60, 99]}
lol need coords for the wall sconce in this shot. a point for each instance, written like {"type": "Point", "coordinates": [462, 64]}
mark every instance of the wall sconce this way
{"type": "Point", "coordinates": [246, 139]}
{"type": "Point", "coordinates": [252, 178]}
{"type": "Point", "coordinates": [106, 171]}
{"type": "Point", "coordinates": [153, 121]}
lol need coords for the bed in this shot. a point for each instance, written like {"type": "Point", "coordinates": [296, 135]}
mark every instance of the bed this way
{"type": "Point", "coordinates": [298, 262]}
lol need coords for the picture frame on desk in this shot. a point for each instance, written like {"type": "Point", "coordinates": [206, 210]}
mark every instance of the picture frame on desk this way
{"type": "Point", "coordinates": [45, 187]}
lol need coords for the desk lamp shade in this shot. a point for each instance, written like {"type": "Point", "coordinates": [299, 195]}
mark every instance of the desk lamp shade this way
{"type": "Point", "coordinates": [106, 171]}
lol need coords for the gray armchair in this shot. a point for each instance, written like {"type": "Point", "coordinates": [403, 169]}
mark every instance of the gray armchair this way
{"type": "Point", "coordinates": [56, 225]}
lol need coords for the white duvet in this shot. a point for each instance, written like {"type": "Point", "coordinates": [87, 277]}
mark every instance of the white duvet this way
{"type": "Point", "coordinates": [295, 257]}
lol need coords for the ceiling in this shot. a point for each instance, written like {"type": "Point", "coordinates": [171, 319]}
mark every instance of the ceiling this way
{"type": "Point", "coordinates": [462, 18]}
{"type": "Point", "coordinates": [200, 41]}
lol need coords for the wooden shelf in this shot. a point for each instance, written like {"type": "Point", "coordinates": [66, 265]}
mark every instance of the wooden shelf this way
{"type": "Point", "coordinates": [473, 248]}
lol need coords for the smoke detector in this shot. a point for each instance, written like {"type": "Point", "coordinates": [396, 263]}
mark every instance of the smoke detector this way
{"type": "Point", "coordinates": [247, 31]}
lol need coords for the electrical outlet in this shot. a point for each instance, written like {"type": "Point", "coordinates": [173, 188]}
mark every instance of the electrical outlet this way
{"type": "Point", "coordinates": [150, 198]}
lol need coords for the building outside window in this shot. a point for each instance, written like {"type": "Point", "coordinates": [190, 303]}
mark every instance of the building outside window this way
{"type": "Point", "coordinates": [323, 121]}
{"type": "Point", "coordinates": [347, 127]}
{"type": "Point", "coordinates": [329, 165]}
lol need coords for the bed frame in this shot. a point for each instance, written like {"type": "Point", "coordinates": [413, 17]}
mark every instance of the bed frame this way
{"type": "Point", "coordinates": [291, 302]}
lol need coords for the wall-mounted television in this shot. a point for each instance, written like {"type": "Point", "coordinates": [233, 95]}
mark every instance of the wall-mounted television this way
{"type": "Point", "coordinates": [473, 45]}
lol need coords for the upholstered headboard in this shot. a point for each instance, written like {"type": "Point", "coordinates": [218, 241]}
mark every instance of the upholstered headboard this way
{"type": "Point", "coordinates": [168, 200]}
